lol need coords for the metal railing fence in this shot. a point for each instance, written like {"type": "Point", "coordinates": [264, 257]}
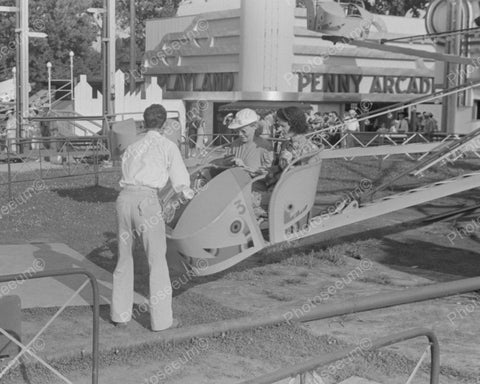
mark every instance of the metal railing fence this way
{"type": "Point", "coordinates": [96, 319]}
{"type": "Point", "coordinates": [325, 359]}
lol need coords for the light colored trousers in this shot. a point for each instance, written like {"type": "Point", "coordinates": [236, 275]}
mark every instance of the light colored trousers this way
{"type": "Point", "coordinates": [138, 209]}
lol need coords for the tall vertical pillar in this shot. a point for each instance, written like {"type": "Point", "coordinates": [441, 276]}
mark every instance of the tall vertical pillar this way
{"type": "Point", "coordinates": [22, 74]}
{"type": "Point", "coordinates": [133, 47]}
{"type": "Point", "coordinates": [267, 35]}
{"type": "Point", "coordinates": [108, 60]}
{"type": "Point", "coordinates": [456, 20]}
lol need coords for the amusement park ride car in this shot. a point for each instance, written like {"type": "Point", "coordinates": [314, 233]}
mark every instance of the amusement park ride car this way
{"type": "Point", "coordinates": [218, 228]}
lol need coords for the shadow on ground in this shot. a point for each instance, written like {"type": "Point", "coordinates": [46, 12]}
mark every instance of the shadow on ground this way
{"type": "Point", "coordinates": [90, 194]}
{"type": "Point", "coordinates": [430, 256]}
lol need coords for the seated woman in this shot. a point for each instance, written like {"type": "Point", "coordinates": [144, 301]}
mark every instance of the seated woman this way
{"type": "Point", "coordinates": [293, 125]}
{"type": "Point", "coordinates": [249, 151]}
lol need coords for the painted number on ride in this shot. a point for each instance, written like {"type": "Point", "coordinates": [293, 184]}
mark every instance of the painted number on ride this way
{"type": "Point", "coordinates": [241, 209]}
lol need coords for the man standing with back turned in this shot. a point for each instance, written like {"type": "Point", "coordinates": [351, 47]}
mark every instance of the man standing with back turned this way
{"type": "Point", "coordinates": [147, 165]}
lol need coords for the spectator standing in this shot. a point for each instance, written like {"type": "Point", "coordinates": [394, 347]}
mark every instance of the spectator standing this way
{"type": "Point", "coordinates": [435, 122]}
{"type": "Point", "coordinates": [351, 126]}
{"type": "Point", "coordinates": [147, 165]}
{"type": "Point", "coordinates": [368, 126]}
{"type": "Point", "coordinates": [317, 122]}
{"type": "Point", "coordinates": [414, 121]}
{"type": "Point", "coordinates": [424, 121]}
{"type": "Point", "coordinates": [403, 123]}
{"type": "Point", "coordinates": [390, 122]}
{"type": "Point", "coordinates": [429, 127]}
{"type": "Point", "coordinates": [419, 122]}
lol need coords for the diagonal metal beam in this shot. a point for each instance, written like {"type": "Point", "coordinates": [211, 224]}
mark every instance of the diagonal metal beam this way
{"type": "Point", "coordinates": [403, 50]}
{"type": "Point", "coordinates": [27, 350]}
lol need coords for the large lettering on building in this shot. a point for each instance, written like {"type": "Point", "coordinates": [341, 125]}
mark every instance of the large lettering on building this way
{"type": "Point", "coordinates": [198, 82]}
{"type": "Point", "coordinates": [345, 83]}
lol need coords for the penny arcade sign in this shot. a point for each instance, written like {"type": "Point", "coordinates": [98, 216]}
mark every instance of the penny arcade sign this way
{"type": "Point", "coordinates": [307, 83]}
{"type": "Point", "coordinates": [345, 83]}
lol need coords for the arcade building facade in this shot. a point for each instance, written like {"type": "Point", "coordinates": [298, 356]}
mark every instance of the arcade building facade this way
{"type": "Point", "coordinates": [221, 55]}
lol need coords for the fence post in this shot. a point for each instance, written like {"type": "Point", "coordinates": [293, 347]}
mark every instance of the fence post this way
{"type": "Point", "coordinates": [40, 145]}
{"type": "Point", "coordinates": [9, 175]}
{"type": "Point", "coordinates": [95, 161]}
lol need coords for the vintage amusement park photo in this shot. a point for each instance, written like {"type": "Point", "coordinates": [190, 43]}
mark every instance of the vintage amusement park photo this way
{"type": "Point", "coordinates": [239, 191]}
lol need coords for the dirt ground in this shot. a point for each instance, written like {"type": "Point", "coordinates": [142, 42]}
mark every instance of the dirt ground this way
{"type": "Point", "coordinates": [390, 253]}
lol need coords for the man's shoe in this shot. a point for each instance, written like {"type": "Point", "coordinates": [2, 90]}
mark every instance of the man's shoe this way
{"type": "Point", "coordinates": [119, 325]}
{"type": "Point", "coordinates": [175, 324]}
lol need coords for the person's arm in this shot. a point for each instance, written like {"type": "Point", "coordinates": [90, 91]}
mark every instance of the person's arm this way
{"type": "Point", "coordinates": [177, 171]}
{"type": "Point", "coordinates": [267, 162]}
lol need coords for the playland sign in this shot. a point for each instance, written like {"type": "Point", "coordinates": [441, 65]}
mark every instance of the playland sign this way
{"type": "Point", "coordinates": [344, 83]}
{"type": "Point", "coordinates": [198, 82]}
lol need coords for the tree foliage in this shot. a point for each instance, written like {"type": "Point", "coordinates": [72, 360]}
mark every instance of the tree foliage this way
{"type": "Point", "coordinates": [69, 28]}
{"type": "Point", "coordinates": [389, 7]}
{"type": "Point", "coordinates": [396, 7]}
{"type": "Point", "coordinates": [144, 10]}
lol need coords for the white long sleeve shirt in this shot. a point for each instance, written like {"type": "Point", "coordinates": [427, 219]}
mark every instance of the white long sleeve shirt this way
{"type": "Point", "coordinates": [151, 161]}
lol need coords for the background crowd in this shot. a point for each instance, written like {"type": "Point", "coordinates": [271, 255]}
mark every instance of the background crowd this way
{"type": "Point", "coordinates": [391, 123]}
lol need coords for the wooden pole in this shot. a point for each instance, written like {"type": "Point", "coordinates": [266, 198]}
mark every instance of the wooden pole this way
{"type": "Point", "coordinates": [133, 60]}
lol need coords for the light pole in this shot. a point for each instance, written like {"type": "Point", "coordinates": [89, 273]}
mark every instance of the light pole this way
{"type": "Point", "coordinates": [49, 69]}
{"type": "Point", "coordinates": [14, 73]}
{"type": "Point", "coordinates": [71, 76]}
{"type": "Point", "coordinates": [133, 60]}
{"type": "Point", "coordinates": [108, 60]}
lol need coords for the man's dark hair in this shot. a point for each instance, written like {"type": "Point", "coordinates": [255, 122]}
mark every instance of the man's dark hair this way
{"type": "Point", "coordinates": [155, 116]}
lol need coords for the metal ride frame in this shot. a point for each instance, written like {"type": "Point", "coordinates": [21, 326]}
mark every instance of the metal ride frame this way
{"type": "Point", "coordinates": [26, 349]}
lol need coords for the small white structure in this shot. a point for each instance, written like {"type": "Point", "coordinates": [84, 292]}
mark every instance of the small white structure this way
{"type": "Point", "coordinates": [7, 90]}
{"type": "Point", "coordinates": [127, 105]}
{"type": "Point", "coordinates": [195, 7]}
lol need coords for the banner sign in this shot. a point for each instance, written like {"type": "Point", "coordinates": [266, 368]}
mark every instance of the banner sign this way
{"type": "Point", "coordinates": [344, 83]}
{"type": "Point", "coordinates": [198, 82]}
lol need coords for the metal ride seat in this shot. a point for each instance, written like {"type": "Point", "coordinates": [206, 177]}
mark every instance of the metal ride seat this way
{"type": "Point", "coordinates": [218, 228]}
{"type": "Point", "coordinates": [293, 198]}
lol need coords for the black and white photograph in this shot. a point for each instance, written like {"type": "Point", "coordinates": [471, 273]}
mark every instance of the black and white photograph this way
{"type": "Point", "coordinates": [239, 191]}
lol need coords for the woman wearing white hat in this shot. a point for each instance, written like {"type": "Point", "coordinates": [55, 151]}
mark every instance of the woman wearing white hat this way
{"type": "Point", "coordinates": [249, 151]}
{"type": "Point", "coordinates": [252, 153]}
